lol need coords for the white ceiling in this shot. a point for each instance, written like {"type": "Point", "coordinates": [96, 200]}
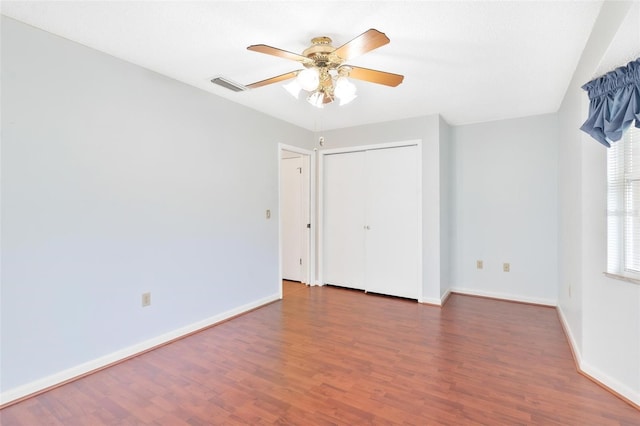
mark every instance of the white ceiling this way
{"type": "Point", "coordinates": [471, 61]}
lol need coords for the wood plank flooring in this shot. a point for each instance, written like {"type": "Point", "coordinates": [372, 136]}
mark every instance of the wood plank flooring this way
{"type": "Point", "coordinates": [331, 356]}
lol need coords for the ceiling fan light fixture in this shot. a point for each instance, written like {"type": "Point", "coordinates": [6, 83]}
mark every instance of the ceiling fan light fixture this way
{"type": "Point", "coordinates": [324, 77]}
{"type": "Point", "coordinates": [316, 99]}
{"type": "Point", "coordinates": [344, 89]}
{"type": "Point", "coordinates": [293, 88]}
{"type": "Point", "coordinates": [308, 79]}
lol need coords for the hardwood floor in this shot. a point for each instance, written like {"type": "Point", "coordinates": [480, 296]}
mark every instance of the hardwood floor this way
{"type": "Point", "coordinates": [331, 356]}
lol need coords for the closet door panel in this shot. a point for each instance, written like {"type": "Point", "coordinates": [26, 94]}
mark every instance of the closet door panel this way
{"type": "Point", "coordinates": [391, 238]}
{"type": "Point", "coordinates": [343, 219]}
{"type": "Point", "coordinates": [292, 216]}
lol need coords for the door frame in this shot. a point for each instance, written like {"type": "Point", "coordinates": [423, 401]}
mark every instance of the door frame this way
{"type": "Point", "coordinates": [309, 251]}
{"type": "Point", "coordinates": [320, 211]}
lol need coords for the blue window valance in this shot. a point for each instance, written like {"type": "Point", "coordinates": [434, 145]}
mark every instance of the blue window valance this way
{"type": "Point", "coordinates": [614, 103]}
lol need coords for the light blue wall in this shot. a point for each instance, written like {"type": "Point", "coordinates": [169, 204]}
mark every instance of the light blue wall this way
{"type": "Point", "coordinates": [505, 198]}
{"type": "Point", "coordinates": [118, 181]}
{"type": "Point", "coordinates": [602, 315]}
{"type": "Point", "coordinates": [446, 204]}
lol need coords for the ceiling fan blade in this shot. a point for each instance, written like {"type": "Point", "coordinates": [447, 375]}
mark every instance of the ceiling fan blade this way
{"type": "Point", "coordinates": [272, 80]}
{"type": "Point", "coordinates": [374, 76]}
{"type": "Point", "coordinates": [365, 42]}
{"type": "Point", "coordinates": [269, 50]}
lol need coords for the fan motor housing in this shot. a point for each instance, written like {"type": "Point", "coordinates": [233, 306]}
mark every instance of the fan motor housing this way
{"type": "Point", "coordinates": [321, 53]}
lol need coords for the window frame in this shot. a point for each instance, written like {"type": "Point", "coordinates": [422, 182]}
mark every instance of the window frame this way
{"type": "Point", "coordinates": [623, 207]}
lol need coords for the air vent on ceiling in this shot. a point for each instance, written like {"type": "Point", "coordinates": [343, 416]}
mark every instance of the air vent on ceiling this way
{"type": "Point", "coordinates": [228, 84]}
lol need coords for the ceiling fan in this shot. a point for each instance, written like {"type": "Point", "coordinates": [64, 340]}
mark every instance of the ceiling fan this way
{"type": "Point", "coordinates": [325, 73]}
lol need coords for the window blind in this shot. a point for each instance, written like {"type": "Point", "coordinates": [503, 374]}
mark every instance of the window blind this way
{"type": "Point", "coordinates": [623, 205]}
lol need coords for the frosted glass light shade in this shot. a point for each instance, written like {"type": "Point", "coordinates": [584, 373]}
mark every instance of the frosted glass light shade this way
{"type": "Point", "coordinates": [308, 79]}
{"type": "Point", "coordinates": [293, 88]}
{"type": "Point", "coordinates": [316, 99]}
{"type": "Point", "coordinates": [344, 90]}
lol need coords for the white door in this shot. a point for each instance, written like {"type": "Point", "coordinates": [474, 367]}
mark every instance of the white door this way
{"type": "Point", "coordinates": [371, 220]}
{"type": "Point", "coordinates": [392, 222]}
{"type": "Point", "coordinates": [292, 216]}
{"type": "Point", "coordinates": [344, 219]}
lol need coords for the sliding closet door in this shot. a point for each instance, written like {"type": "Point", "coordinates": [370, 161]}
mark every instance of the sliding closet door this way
{"type": "Point", "coordinates": [391, 235]}
{"type": "Point", "coordinates": [344, 219]}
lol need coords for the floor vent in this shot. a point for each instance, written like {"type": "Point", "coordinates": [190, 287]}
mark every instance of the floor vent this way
{"type": "Point", "coordinates": [228, 84]}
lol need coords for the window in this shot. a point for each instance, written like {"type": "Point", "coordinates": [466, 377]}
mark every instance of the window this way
{"type": "Point", "coordinates": [623, 206]}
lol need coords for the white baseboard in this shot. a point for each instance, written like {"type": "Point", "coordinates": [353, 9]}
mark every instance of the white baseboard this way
{"type": "Point", "coordinates": [612, 384]}
{"type": "Point", "coordinates": [505, 296]}
{"type": "Point", "coordinates": [98, 363]}
{"type": "Point", "coordinates": [572, 341]}
{"type": "Point", "coordinates": [444, 297]}
{"type": "Point", "coordinates": [434, 301]}
{"type": "Point", "coordinates": [589, 370]}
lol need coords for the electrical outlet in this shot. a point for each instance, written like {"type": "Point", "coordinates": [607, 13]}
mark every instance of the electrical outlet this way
{"type": "Point", "coordinates": [506, 267]}
{"type": "Point", "coordinates": [146, 299]}
{"type": "Point", "coordinates": [479, 264]}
